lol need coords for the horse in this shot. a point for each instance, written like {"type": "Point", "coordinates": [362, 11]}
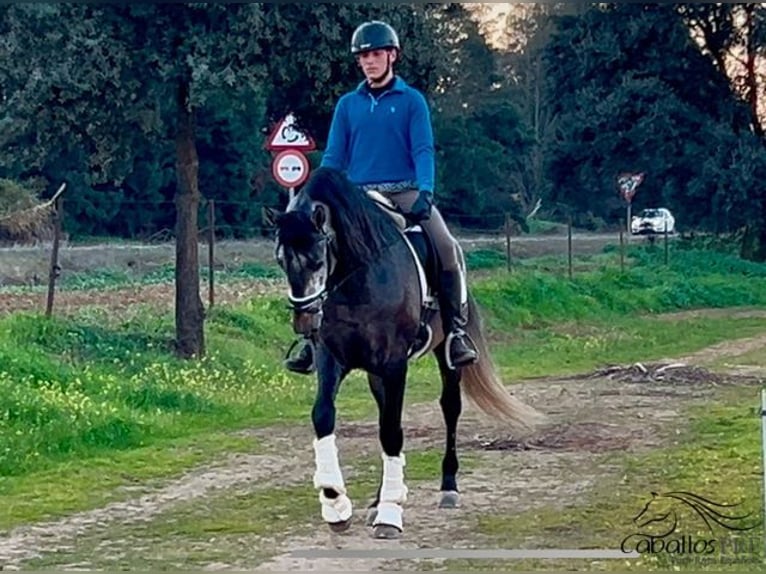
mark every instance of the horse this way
{"type": "Point", "coordinates": [355, 279]}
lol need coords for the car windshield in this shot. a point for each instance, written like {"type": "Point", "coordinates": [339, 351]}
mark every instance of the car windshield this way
{"type": "Point", "coordinates": [651, 213]}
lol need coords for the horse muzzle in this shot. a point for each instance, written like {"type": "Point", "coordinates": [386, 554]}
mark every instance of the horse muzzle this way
{"type": "Point", "coordinates": [304, 322]}
{"type": "Point", "coordinates": [307, 312]}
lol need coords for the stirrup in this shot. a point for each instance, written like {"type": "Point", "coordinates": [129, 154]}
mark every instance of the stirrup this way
{"type": "Point", "coordinates": [292, 365]}
{"type": "Point", "coordinates": [448, 344]}
{"type": "Point", "coordinates": [422, 342]}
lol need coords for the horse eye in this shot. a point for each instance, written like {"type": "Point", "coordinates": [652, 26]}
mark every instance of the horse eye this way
{"type": "Point", "coordinates": [314, 264]}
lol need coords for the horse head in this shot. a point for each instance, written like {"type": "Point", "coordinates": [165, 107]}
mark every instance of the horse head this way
{"type": "Point", "coordinates": [304, 251]}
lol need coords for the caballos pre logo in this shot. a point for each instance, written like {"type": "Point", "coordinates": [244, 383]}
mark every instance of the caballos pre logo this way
{"type": "Point", "coordinates": [660, 529]}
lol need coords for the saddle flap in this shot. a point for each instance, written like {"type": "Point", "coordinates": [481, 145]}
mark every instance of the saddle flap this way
{"type": "Point", "coordinates": [389, 207]}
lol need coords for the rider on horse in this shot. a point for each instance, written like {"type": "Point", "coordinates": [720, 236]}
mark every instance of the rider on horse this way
{"type": "Point", "coordinates": [381, 136]}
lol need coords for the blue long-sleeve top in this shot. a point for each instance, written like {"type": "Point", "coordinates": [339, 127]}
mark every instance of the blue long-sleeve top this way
{"type": "Point", "coordinates": [383, 140]}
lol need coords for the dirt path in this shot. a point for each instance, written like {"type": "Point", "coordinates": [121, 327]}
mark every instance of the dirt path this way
{"type": "Point", "coordinates": [631, 409]}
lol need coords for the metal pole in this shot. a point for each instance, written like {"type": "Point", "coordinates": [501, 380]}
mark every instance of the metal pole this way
{"type": "Point", "coordinates": [54, 269]}
{"type": "Point", "coordinates": [622, 251]}
{"type": "Point", "coordinates": [211, 250]}
{"type": "Point", "coordinates": [666, 243]}
{"type": "Point", "coordinates": [763, 447]}
{"type": "Point", "coordinates": [569, 245]}
{"type": "Point", "coordinates": [508, 240]}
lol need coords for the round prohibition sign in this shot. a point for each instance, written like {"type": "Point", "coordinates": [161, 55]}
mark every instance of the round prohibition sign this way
{"type": "Point", "coordinates": [290, 168]}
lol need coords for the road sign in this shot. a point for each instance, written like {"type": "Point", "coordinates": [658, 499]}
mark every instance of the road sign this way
{"type": "Point", "coordinates": [287, 136]}
{"type": "Point", "coordinates": [290, 168]}
{"type": "Point", "coordinates": [628, 183]}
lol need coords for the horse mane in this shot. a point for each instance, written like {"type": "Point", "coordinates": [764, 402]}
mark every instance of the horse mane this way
{"type": "Point", "coordinates": [362, 229]}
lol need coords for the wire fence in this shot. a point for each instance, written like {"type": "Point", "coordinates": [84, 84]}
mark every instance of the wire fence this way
{"type": "Point", "coordinates": [236, 218]}
{"type": "Point", "coordinates": [499, 236]}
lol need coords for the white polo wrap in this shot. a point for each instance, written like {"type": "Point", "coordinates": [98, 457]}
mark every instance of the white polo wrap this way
{"type": "Point", "coordinates": [393, 492]}
{"type": "Point", "coordinates": [327, 473]}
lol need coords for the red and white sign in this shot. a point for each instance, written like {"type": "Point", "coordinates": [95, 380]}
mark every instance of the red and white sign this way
{"type": "Point", "coordinates": [287, 136]}
{"type": "Point", "coordinates": [628, 183]}
{"type": "Point", "coordinates": [290, 168]}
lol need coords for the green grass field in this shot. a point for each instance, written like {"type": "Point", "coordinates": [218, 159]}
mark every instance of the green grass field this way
{"type": "Point", "coordinates": [93, 402]}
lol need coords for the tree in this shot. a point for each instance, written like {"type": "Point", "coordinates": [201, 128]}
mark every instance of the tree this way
{"type": "Point", "coordinates": [733, 36]}
{"type": "Point", "coordinates": [307, 49]}
{"type": "Point", "coordinates": [634, 93]}
{"type": "Point", "coordinates": [528, 29]}
{"type": "Point", "coordinates": [90, 80]}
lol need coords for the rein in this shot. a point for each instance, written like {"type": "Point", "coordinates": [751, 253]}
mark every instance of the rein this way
{"type": "Point", "coordinates": [312, 304]}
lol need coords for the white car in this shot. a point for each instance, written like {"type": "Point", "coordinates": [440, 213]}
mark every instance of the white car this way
{"type": "Point", "coordinates": [653, 221]}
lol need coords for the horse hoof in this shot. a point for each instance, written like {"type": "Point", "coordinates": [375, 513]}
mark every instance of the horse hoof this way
{"type": "Point", "coordinates": [339, 526]}
{"type": "Point", "coordinates": [372, 514]}
{"type": "Point", "coordinates": [386, 531]}
{"type": "Point", "coordinates": [450, 499]}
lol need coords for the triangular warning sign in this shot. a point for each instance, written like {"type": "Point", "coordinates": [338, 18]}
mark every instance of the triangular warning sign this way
{"type": "Point", "coordinates": [287, 136]}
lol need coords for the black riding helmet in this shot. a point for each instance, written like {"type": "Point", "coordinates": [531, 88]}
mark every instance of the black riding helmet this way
{"type": "Point", "coordinates": [374, 35]}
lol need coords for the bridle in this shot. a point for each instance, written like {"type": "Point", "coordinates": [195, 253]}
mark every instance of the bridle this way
{"type": "Point", "coordinates": [312, 304]}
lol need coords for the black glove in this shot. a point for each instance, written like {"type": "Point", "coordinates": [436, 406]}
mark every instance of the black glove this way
{"type": "Point", "coordinates": [421, 209]}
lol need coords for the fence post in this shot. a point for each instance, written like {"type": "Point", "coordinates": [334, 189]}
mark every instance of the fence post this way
{"type": "Point", "coordinates": [569, 244]}
{"type": "Point", "coordinates": [53, 271]}
{"type": "Point", "coordinates": [508, 240]}
{"type": "Point", "coordinates": [210, 251]}
{"type": "Point", "coordinates": [666, 243]}
{"type": "Point", "coordinates": [622, 251]}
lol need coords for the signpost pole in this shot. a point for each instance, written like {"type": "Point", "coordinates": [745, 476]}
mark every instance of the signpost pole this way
{"type": "Point", "coordinates": [627, 184]}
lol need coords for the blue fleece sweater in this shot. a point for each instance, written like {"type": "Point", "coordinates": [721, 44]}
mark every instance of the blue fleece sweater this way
{"type": "Point", "coordinates": [383, 140]}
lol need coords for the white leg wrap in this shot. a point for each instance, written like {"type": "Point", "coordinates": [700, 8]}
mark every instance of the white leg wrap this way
{"type": "Point", "coordinates": [335, 509]}
{"type": "Point", "coordinates": [393, 488]}
{"type": "Point", "coordinates": [393, 492]}
{"type": "Point", "coordinates": [389, 513]}
{"type": "Point", "coordinates": [328, 474]}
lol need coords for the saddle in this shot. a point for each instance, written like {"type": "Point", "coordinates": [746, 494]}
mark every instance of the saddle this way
{"type": "Point", "coordinates": [426, 260]}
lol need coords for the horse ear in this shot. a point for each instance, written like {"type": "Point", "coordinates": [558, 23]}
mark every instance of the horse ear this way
{"type": "Point", "coordinates": [269, 216]}
{"type": "Point", "coordinates": [319, 217]}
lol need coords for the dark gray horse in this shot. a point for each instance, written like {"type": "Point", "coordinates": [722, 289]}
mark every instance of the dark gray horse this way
{"type": "Point", "coordinates": [354, 280]}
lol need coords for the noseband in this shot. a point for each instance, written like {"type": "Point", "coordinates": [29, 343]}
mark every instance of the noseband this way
{"type": "Point", "coordinates": [312, 304]}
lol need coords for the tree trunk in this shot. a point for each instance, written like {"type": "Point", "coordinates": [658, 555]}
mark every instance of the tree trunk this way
{"type": "Point", "coordinates": [751, 69]}
{"type": "Point", "coordinates": [190, 314]}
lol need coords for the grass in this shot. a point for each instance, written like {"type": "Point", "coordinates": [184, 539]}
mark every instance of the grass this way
{"type": "Point", "coordinates": [69, 485]}
{"type": "Point", "coordinates": [237, 527]}
{"type": "Point", "coordinates": [111, 278]}
{"type": "Point", "coordinates": [717, 456]}
{"type": "Point", "coordinates": [751, 363]}
{"type": "Point", "coordinates": [94, 395]}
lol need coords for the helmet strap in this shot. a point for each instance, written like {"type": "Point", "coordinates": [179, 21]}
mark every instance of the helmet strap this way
{"type": "Point", "coordinates": [381, 79]}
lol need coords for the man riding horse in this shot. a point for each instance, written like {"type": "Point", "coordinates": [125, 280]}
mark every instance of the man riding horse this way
{"type": "Point", "coordinates": [381, 136]}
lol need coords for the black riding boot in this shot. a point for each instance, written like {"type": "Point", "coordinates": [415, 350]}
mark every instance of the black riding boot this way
{"type": "Point", "coordinates": [303, 360]}
{"type": "Point", "coordinates": [460, 349]}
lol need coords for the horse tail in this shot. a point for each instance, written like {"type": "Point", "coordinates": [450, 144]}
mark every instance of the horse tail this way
{"type": "Point", "coordinates": [483, 386]}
